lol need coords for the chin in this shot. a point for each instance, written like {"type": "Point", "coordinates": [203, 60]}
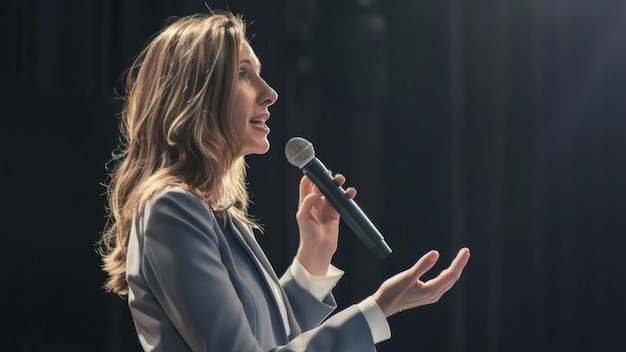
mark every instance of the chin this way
{"type": "Point", "coordinates": [264, 147]}
{"type": "Point", "coordinates": [258, 149]}
{"type": "Point", "coordinates": [264, 150]}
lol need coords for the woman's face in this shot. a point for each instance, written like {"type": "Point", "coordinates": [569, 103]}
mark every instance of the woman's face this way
{"type": "Point", "coordinates": [252, 98]}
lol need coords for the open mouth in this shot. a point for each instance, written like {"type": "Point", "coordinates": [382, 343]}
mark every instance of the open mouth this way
{"type": "Point", "coordinates": [258, 122]}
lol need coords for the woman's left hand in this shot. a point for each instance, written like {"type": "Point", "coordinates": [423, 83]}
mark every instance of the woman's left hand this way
{"type": "Point", "coordinates": [318, 222]}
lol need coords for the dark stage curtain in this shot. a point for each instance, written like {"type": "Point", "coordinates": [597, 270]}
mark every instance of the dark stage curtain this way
{"type": "Point", "coordinates": [493, 124]}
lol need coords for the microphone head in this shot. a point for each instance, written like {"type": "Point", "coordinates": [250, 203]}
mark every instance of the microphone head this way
{"type": "Point", "coordinates": [299, 152]}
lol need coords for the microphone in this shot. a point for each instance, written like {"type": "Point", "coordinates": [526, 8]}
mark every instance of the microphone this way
{"type": "Point", "coordinates": [300, 153]}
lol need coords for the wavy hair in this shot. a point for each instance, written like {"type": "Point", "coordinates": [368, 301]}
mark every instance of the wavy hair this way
{"type": "Point", "coordinates": [176, 129]}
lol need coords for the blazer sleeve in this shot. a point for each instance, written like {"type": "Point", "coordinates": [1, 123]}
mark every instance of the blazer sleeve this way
{"type": "Point", "coordinates": [183, 268]}
{"type": "Point", "coordinates": [307, 309]}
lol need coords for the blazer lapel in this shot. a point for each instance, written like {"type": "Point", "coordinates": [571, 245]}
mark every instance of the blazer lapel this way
{"type": "Point", "coordinates": [245, 233]}
{"type": "Point", "coordinates": [246, 237]}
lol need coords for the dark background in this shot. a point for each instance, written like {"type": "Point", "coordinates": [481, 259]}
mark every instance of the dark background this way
{"type": "Point", "coordinates": [493, 124]}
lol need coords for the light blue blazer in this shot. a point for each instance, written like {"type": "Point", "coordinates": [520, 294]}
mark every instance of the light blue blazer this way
{"type": "Point", "coordinates": [194, 285]}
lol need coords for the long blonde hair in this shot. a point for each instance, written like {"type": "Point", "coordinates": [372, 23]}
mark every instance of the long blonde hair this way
{"type": "Point", "coordinates": [176, 129]}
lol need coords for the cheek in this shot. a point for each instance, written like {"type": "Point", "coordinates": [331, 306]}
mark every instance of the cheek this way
{"type": "Point", "coordinates": [237, 117]}
{"type": "Point", "coordinates": [239, 114]}
{"type": "Point", "coordinates": [243, 105]}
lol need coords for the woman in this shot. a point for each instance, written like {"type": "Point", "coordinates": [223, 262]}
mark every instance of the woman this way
{"type": "Point", "coordinates": [180, 243]}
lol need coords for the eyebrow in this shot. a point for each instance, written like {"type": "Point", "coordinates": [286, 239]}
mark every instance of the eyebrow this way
{"type": "Point", "coordinates": [246, 61]}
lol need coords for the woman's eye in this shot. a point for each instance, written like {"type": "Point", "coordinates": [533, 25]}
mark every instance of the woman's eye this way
{"type": "Point", "coordinates": [243, 74]}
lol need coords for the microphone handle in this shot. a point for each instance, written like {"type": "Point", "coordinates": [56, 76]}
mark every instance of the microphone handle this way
{"type": "Point", "coordinates": [347, 208]}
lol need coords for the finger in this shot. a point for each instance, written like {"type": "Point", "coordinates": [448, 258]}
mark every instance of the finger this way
{"type": "Point", "coordinates": [460, 261]}
{"type": "Point", "coordinates": [308, 202]}
{"type": "Point", "coordinates": [351, 192]}
{"type": "Point", "coordinates": [425, 263]}
{"type": "Point", "coordinates": [340, 179]}
{"type": "Point", "coordinates": [304, 188]}
{"type": "Point", "coordinates": [448, 277]}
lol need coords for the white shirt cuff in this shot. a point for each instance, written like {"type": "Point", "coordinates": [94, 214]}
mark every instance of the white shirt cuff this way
{"type": "Point", "coordinates": [318, 286]}
{"type": "Point", "coordinates": [375, 319]}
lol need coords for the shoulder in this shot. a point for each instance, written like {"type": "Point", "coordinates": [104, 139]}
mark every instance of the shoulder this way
{"type": "Point", "coordinates": [175, 198]}
{"type": "Point", "coordinates": [174, 204]}
{"type": "Point", "coordinates": [172, 193]}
